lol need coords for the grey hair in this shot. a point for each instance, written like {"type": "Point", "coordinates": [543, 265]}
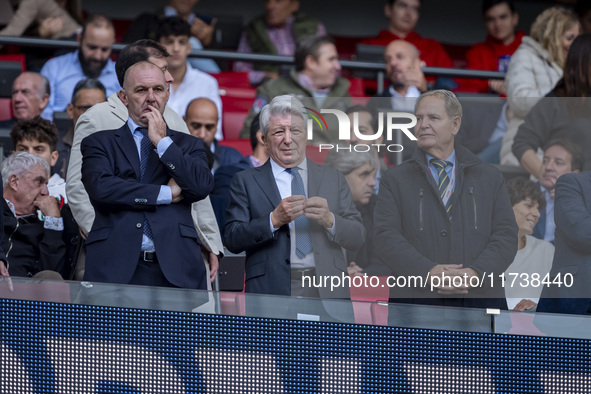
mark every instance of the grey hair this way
{"type": "Point", "coordinates": [19, 163]}
{"type": "Point", "coordinates": [452, 104]}
{"type": "Point", "coordinates": [281, 106]}
{"type": "Point", "coordinates": [346, 162]}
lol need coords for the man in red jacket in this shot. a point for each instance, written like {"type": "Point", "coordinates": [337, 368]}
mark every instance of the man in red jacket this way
{"type": "Point", "coordinates": [502, 41]}
{"type": "Point", "coordinates": [403, 16]}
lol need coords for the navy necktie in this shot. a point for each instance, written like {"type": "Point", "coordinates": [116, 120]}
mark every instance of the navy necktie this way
{"type": "Point", "coordinates": [302, 224]}
{"type": "Point", "coordinates": [145, 147]}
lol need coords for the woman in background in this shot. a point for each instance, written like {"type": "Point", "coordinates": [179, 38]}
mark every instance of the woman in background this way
{"type": "Point", "coordinates": [535, 68]}
{"type": "Point", "coordinates": [534, 256]}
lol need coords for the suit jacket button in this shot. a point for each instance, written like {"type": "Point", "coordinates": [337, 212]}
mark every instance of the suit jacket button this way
{"type": "Point", "coordinates": [258, 238]}
{"type": "Point", "coordinates": [137, 200]}
{"type": "Point", "coordinates": [443, 233]}
{"type": "Point", "coordinates": [138, 225]}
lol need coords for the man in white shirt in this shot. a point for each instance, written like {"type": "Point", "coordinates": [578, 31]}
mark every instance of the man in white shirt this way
{"type": "Point", "coordinates": [189, 83]}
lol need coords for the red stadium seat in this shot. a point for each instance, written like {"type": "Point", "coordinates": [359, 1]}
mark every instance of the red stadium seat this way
{"type": "Point", "coordinates": [5, 109]}
{"type": "Point", "coordinates": [232, 123]}
{"type": "Point", "coordinates": [241, 145]}
{"type": "Point", "coordinates": [313, 153]}
{"type": "Point", "coordinates": [232, 79]}
{"type": "Point", "coordinates": [357, 88]}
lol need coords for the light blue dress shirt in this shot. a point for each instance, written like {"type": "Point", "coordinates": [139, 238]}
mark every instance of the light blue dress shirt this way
{"type": "Point", "coordinates": [64, 72]}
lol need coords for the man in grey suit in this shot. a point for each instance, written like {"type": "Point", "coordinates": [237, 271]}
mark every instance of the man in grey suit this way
{"type": "Point", "coordinates": [112, 115]}
{"type": "Point", "coordinates": [292, 217]}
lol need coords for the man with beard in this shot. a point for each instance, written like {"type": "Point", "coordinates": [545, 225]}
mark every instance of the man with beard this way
{"type": "Point", "coordinates": [90, 60]}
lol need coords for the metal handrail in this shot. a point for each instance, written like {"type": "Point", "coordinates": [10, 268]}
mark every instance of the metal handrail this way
{"type": "Point", "coordinates": [260, 58]}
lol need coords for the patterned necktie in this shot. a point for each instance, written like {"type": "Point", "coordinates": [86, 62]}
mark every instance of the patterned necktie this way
{"type": "Point", "coordinates": [145, 147]}
{"type": "Point", "coordinates": [443, 184]}
{"type": "Point", "coordinates": [302, 224]}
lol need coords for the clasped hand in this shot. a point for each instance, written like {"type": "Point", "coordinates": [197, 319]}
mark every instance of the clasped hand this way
{"type": "Point", "coordinates": [290, 208]}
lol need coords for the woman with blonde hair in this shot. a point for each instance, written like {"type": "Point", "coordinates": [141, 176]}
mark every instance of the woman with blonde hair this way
{"type": "Point", "coordinates": [536, 67]}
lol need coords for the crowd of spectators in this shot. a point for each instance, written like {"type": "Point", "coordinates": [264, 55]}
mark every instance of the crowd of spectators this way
{"type": "Point", "coordinates": [536, 123]}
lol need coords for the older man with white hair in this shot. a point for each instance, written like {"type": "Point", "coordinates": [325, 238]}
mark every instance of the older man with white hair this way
{"type": "Point", "coordinates": [292, 217]}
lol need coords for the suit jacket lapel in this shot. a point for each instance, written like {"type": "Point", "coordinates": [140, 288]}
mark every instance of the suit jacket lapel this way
{"type": "Point", "coordinates": [265, 179]}
{"type": "Point", "coordinates": [125, 141]}
{"type": "Point", "coordinates": [314, 178]}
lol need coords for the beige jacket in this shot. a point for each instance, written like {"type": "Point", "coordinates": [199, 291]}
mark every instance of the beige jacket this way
{"type": "Point", "coordinates": [110, 115]}
{"type": "Point", "coordinates": [30, 11]}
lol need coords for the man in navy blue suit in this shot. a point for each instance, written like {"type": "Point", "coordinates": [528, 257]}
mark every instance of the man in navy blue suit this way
{"type": "Point", "coordinates": [142, 179]}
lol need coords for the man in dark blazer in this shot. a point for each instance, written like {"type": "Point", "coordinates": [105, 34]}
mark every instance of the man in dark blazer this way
{"type": "Point", "coordinates": [572, 256]}
{"type": "Point", "coordinates": [143, 232]}
{"type": "Point", "coordinates": [290, 234]}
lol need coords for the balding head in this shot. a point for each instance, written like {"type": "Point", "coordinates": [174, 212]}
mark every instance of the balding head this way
{"type": "Point", "coordinates": [30, 95]}
{"type": "Point", "coordinates": [144, 86]}
{"type": "Point", "coordinates": [400, 56]}
{"type": "Point", "coordinates": [202, 119]}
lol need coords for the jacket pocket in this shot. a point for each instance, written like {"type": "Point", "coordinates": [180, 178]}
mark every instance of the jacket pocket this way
{"type": "Point", "coordinates": [189, 232]}
{"type": "Point", "coordinates": [256, 269]}
{"type": "Point", "coordinates": [99, 234]}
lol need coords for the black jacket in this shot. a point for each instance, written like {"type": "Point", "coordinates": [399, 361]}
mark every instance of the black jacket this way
{"type": "Point", "coordinates": [29, 247]}
{"type": "Point", "coordinates": [413, 232]}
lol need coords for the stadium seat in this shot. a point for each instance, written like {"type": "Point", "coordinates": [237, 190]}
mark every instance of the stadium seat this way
{"type": "Point", "coordinates": [232, 79]}
{"type": "Point", "coordinates": [357, 88]}
{"type": "Point", "coordinates": [19, 58]}
{"type": "Point", "coordinates": [242, 145]}
{"type": "Point", "coordinates": [232, 123]}
{"type": "Point", "coordinates": [5, 109]}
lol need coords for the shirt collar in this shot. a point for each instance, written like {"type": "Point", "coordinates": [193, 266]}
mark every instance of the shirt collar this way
{"type": "Point", "coordinates": [277, 169]}
{"type": "Point", "coordinates": [451, 158]}
{"type": "Point", "coordinates": [307, 83]}
{"type": "Point", "coordinates": [411, 92]}
{"type": "Point", "coordinates": [132, 125]}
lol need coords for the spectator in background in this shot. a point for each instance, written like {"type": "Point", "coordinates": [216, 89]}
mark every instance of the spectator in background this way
{"type": "Point", "coordinates": [563, 114]}
{"type": "Point", "coordinates": [189, 83]}
{"type": "Point", "coordinates": [276, 32]}
{"type": "Point", "coordinates": [583, 11]}
{"type": "Point", "coordinates": [359, 169]}
{"type": "Point", "coordinates": [367, 124]}
{"type": "Point", "coordinates": [74, 9]}
{"type": "Point", "coordinates": [90, 60]}
{"type": "Point", "coordinates": [32, 217]}
{"type": "Point", "coordinates": [407, 81]}
{"type": "Point", "coordinates": [315, 81]}
{"type": "Point", "coordinates": [560, 157]}
{"type": "Point", "coordinates": [30, 95]}
{"type": "Point", "coordinates": [202, 120]}
{"type": "Point", "coordinates": [220, 195]}
{"type": "Point", "coordinates": [87, 93]}
{"type": "Point", "coordinates": [146, 26]}
{"type": "Point", "coordinates": [38, 136]}
{"type": "Point", "coordinates": [500, 19]}
{"type": "Point", "coordinates": [53, 21]}
{"type": "Point", "coordinates": [535, 68]}
{"type": "Point", "coordinates": [534, 256]}
{"type": "Point", "coordinates": [403, 16]}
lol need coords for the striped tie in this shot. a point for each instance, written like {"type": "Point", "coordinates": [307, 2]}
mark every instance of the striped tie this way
{"type": "Point", "coordinates": [443, 183]}
{"type": "Point", "coordinates": [302, 224]}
